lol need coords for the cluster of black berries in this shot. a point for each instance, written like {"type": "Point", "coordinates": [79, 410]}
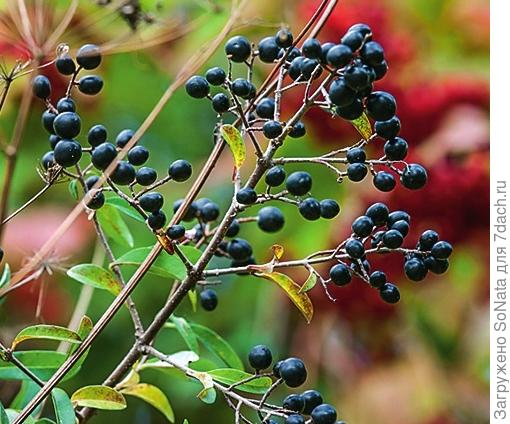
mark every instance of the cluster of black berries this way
{"type": "Point", "coordinates": [383, 230]}
{"type": "Point", "coordinates": [292, 372]}
{"type": "Point", "coordinates": [64, 126]}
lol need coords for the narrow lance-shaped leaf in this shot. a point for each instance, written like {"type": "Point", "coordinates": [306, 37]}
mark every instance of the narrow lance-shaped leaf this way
{"type": "Point", "coordinates": [4, 419]}
{"type": "Point", "coordinates": [186, 332]}
{"type": "Point", "coordinates": [123, 206]}
{"type": "Point", "coordinates": [73, 189]}
{"type": "Point", "coordinates": [64, 411]}
{"type": "Point", "coordinates": [301, 300]}
{"type": "Point", "coordinates": [95, 276]}
{"type": "Point", "coordinates": [236, 143]}
{"type": "Point", "coordinates": [153, 396]}
{"type": "Point", "coordinates": [114, 226]}
{"type": "Point", "coordinates": [6, 275]}
{"type": "Point", "coordinates": [231, 376]}
{"type": "Point", "coordinates": [99, 397]}
{"type": "Point", "coordinates": [362, 124]}
{"type": "Point", "coordinates": [309, 284]}
{"type": "Point", "coordinates": [49, 332]}
{"type": "Point", "coordinates": [182, 359]}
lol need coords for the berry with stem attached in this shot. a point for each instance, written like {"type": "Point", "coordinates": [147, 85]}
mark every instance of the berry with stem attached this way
{"type": "Point", "coordinates": [260, 357]}
{"type": "Point", "coordinates": [208, 299]}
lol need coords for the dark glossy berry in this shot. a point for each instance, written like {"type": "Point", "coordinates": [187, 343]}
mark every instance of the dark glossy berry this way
{"type": "Point", "coordinates": [65, 65]}
{"type": "Point", "coordinates": [124, 173]}
{"type": "Point", "coordinates": [384, 181]}
{"type": "Point", "coordinates": [191, 211]}
{"type": "Point", "coordinates": [392, 239]}
{"type": "Point", "coordinates": [339, 56]}
{"type": "Point", "coordinates": [67, 125]}
{"type": "Point", "coordinates": [324, 414]}
{"type": "Point", "coordinates": [377, 279]}
{"type": "Point", "coordinates": [67, 153]}
{"type": "Point", "coordinates": [103, 155]}
{"type": "Point", "coordinates": [312, 48]}
{"type": "Point", "coordinates": [241, 87]}
{"type": "Point", "coordinates": [47, 119]}
{"type": "Point", "coordinates": [138, 155]}
{"type": "Point", "coordinates": [340, 93]}
{"type": "Point", "coordinates": [310, 209]}
{"type": "Point", "coordinates": [415, 269]}
{"type": "Point", "coordinates": [378, 212]}
{"type": "Point", "coordinates": [398, 216]}
{"type": "Point", "coordinates": [441, 250]}
{"type": "Point", "coordinates": [395, 149]}
{"type": "Point", "coordinates": [66, 104]}
{"type": "Point", "coordinates": [89, 56]}
{"type": "Point", "coordinates": [380, 70]}
{"type": "Point", "coordinates": [312, 399]}
{"type": "Point", "coordinates": [354, 248]}
{"type": "Point", "coordinates": [215, 76]}
{"type": "Point", "coordinates": [208, 299]}
{"type": "Point", "coordinates": [272, 129]}
{"type": "Point", "coordinates": [401, 226]}
{"type": "Point", "coordinates": [362, 226]}
{"type": "Point", "coordinates": [233, 229]}
{"type": "Point", "coordinates": [260, 357]}
{"type": "Point", "coordinates": [356, 172]}
{"type": "Point", "coordinates": [41, 87]}
{"type": "Point", "coordinates": [298, 130]}
{"type": "Point", "coordinates": [53, 139]}
{"type": "Point", "coordinates": [197, 87]}
{"type": "Point", "coordinates": [351, 111]}
{"type": "Point", "coordinates": [291, 55]}
{"type": "Point", "coordinates": [209, 212]}
{"type": "Point", "coordinates": [353, 40]}
{"type": "Point", "coordinates": [275, 176]}
{"type": "Point", "coordinates": [284, 38]}
{"type": "Point", "coordinates": [437, 266]}
{"type": "Point", "coordinates": [295, 67]}
{"type": "Point", "coordinates": [414, 177]}
{"type": "Point", "coordinates": [97, 201]}
{"type": "Point", "coordinates": [91, 181]}
{"type": "Point", "coordinates": [357, 77]}
{"type": "Point", "coordinates": [246, 196]}
{"type": "Point", "coordinates": [356, 155]}
{"type": "Point", "coordinates": [295, 419]}
{"type": "Point", "coordinates": [329, 208]}
{"type": "Point", "coordinates": [124, 137]}
{"type": "Point", "coordinates": [145, 176]}
{"type": "Point", "coordinates": [90, 84]}
{"type": "Point", "coordinates": [299, 183]}
{"type": "Point", "coordinates": [238, 49]}
{"type": "Point", "coordinates": [381, 106]}
{"type": "Point", "coordinates": [294, 402]}
{"type": "Point", "coordinates": [176, 232]}
{"type": "Point", "coordinates": [276, 369]}
{"type": "Point", "coordinates": [180, 170]}
{"type": "Point", "coordinates": [270, 219]}
{"type": "Point", "coordinates": [363, 29]}
{"type": "Point", "coordinates": [151, 202]}
{"type": "Point", "coordinates": [239, 249]}
{"type": "Point", "coordinates": [428, 239]}
{"type": "Point", "coordinates": [97, 135]}
{"type": "Point", "coordinates": [389, 293]}
{"type": "Point", "coordinates": [388, 129]}
{"type": "Point", "coordinates": [156, 220]}
{"type": "Point", "coordinates": [310, 68]}
{"type": "Point", "coordinates": [268, 49]}
{"type": "Point", "coordinates": [293, 372]}
{"type": "Point", "coordinates": [265, 108]}
{"type": "Point", "coordinates": [340, 274]}
{"type": "Point", "coordinates": [372, 53]}
{"type": "Point", "coordinates": [325, 48]}
{"type": "Point", "coordinates": [220, 103]}
{"type": "Point", "coordinates": [48, 160]}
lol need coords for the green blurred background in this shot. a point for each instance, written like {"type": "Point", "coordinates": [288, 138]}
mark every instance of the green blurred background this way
{"type": "Point", "coordinates": [423, 361]}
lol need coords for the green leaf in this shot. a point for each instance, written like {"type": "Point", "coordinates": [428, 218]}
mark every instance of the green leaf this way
{"type": "Point", "coordinates": [73, 189]}
{"type": "Point", "coordinates": [193, 299]}
{"type": "Point", "coordinates": [27, 391]}
{"type": "Point", "coordinates": [41, 362]}
{"type": "Point", "coordinates": [168, 266]}
{"type": "Point", "coordinates": [153, 396]}
{"type": "Point", "coordinates": [124, 207]}
{"type": "Point", "coordinates": [4, 419]}
{"type": "Point", "coordinates": [231, 376]}
{"type": "Point", "coordinates": [84, 330]}
{"type": "Point", "coordinates": [309, 284]}
{"type": "Point", "coordinates": [301, 300]}
{"type": "Point", "coordinates": [207, 394]}
{"type": "Point", "coordinates": [49, 332]}
{"type": "Point", "coordinates": [95, 276]}
{"type": "Point", "coordinates": [186, 332]}
{"type": "Point", "coordinates": [114, 226]}
{"type": "Point", "coordinates": [182, 358]}
{"type": "Point", "coordinates": [217, 345]}
{"type": "Point", "coordinates": [6, 275]}
{"type": "Point", "coordinates": [12, 414]}
{"type": "Point", "coordinates": [64, 411]}
{"type": "Point", "coordinates": [185, 421]}
{"type": "Point", "coordinates": [362, 124]}
{"type": "Point", "coordinates": [45, 421]}
{"type": "Point", "coordinates": [236, 143]}
{"type": "Point", "coordinates": [99, 397]}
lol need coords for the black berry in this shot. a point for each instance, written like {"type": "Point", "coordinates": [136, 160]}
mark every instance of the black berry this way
{"type": "Point", "coordinates": [89, 56]}
{"type": "Point", "coordinates": [67, 125]}
{"type": "Point", "coordinates": [312, 399]}
{"type": "Point", "coordinates": [239, 249]}
{"type": "Point", "coordinates": [356, 172]}
{"type": "Point", "coordinates": [65, 65]}
{"type": "Point", "coordinates": [103, 155]}
{"type": "Point", "coordinates": [272, 129]}
{"type": "Point", "coordinates": [268, 49]}
{"type": "Point", "coordinates": [156, 220]}
{"type": "Point", "coordinates": [340, 93]}
{"type": "Point", "coordinates": [208, 299]}
{"type": "Point", "coordinates": [220, 103]}
{"type": "Point", "coordinates": [197, 87]}
{"type": "Point", "coordinates": [339, 56]}
{"type": "Point", "coordinates": [340, 274]}
{"type": "Point", "coordinates": [66, 104]}
{"type": "Point", "coordinates": [293, 372]}
{"type": "Point", "coordinates": [270, 219]}
{"type": "Point", "coordinates": [324, 414]}
{"type": "Point", "coordinates": [246, 196]}
{"type": "Point", "coordinates": [176, 232]}
{"type": "Point", "coordinates": [151, 202]}
{"type": "Point", "coordinates": [180, 170]}
{"type": "Point", "coordinates": [310, 209]}
{"type": "Point", "coordinates": [67, 153]}
{"type": "Point", "coordinates": [388, 129]}
{"type": "Point", "coordinates": [428, 239]}
{"type": "Point", "coordinates": [414, 176]}
{"type": "Point", "coordinates": [146, 176]}
{"type": "Point", "coordinates": [97, 135]}
{"type": "Point", "coordinates": [124, 137]}
{"type": "Point", "coordinates": [356, 155]}
{"type": "Point", "coordinates": [260, 357]}
{"type": "Point", "coordinates": [294, 402]}
{"type": "Point", "coordinates": [377, 279]}
{"type": "Point", "coordinates": [384, 181]}
{"type": "Point", "coordinates": [395, 149]}
{"type": "Point", "coordinates": [415, 269]}
{"type": "Point", "coordinates": [389, 293]}
{"type": "Point", "coordinates": [392, 239]}
{"type": "Point", "coordinates": [41, 87]}
{"type": "Point", "coordinates": [215, 76]}
{"type": "Point", "coordinates": [312, 48]}
{"type": "Point", "coordinates": [299, 183]}
{"type": "Point", "coordinates": [354, 248]}
{"type": "Point", "coordinates": [378, 212]}
{"type": "Point", "coordinates": [275, 176]}
{"type": "Point", "coordinates": [90, 84]}
{"type": "Point", "coordinates": [441, 250]}
{"type": "Point", "coordinates": [362, 226]}
{"type": "Point", "coordinates": [124, 173]}
{"type": "Point", "coordinates": [138, 155]}
{"type": "Point", "coordinates": [329, 208]}
{"type": "Point", "coordinates": [238, 49]}
{"type": "Point", "coordinates": [381, 106]}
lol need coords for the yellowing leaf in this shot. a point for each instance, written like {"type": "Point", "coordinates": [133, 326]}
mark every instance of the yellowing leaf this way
{"type": "Point", "coordinates": [277, 251]}
{"type": "Point", "coordinates": [207, 394]}
{"type": "Point", "coordinates": [301, 300]}
{"type": "Point", "coordinates": [362, 124]}
{"type": "Point", "coordinates": [48, 332]}
{"type": "Point", "coordinates": [153, 396]}
{"type": "Point", "coordinates": [99, 397]}
{"type": "Point", "coordinates": [236, 143]}
{"type": "Point", "coordinates": [95, 276]}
